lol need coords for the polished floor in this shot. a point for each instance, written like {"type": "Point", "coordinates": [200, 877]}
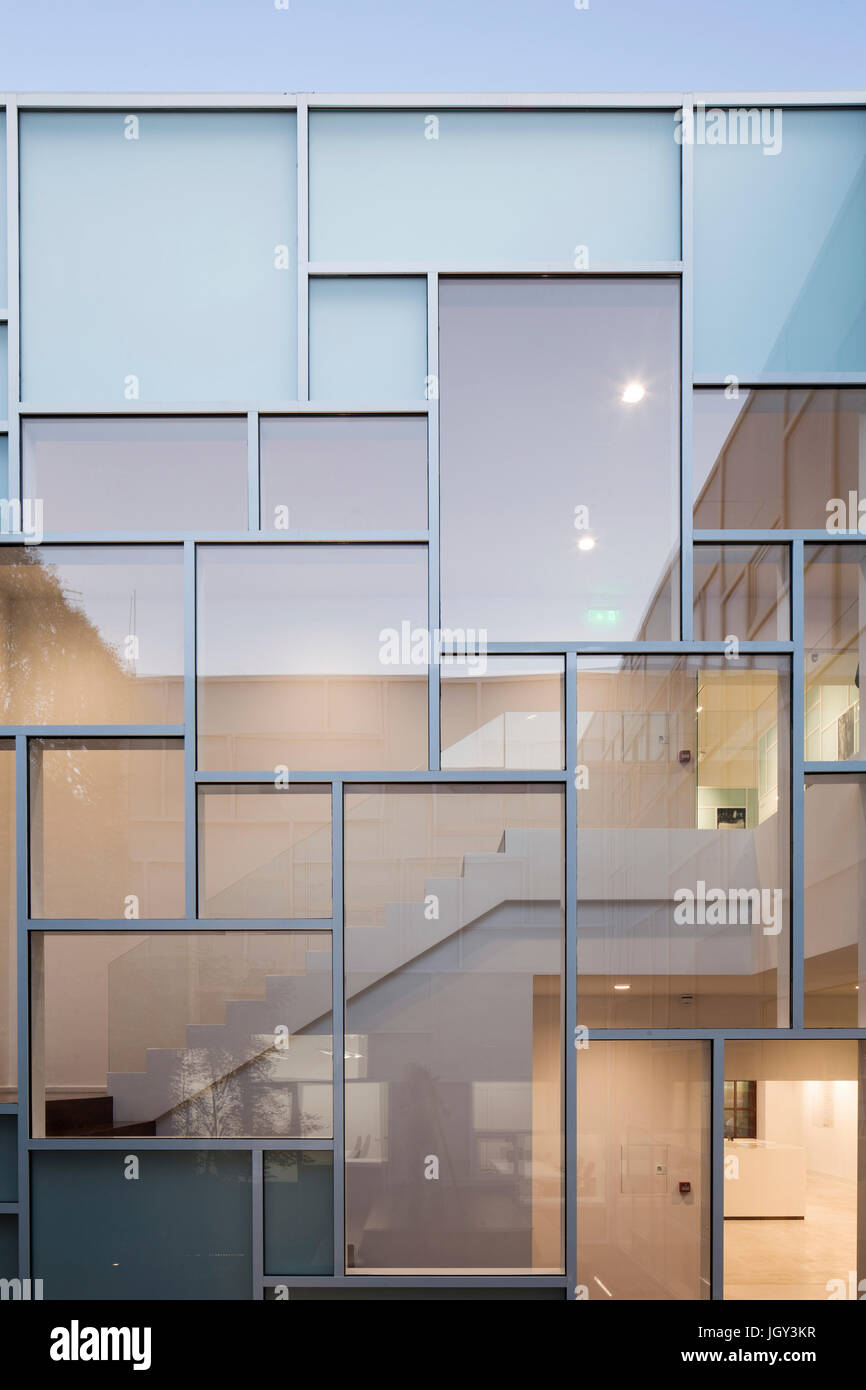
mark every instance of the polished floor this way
{"type": "Point", "coordinates": [795, 1259]}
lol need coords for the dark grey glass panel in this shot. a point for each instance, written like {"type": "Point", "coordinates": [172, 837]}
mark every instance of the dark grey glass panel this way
{"type": "Point", "coordinates": [8, 1158]}
{"type": "Point", "coordinates": [137, 475]}
{"type": "Point", "coordinates": [299, 1213]}
{"type": "Point", "coordinates": [556, 396]}
{"type": "Point", "coordinates": [180, 1230]}
{"type": "Point", "coordinates": [8, 1247]}
{"type": "Point", "coordinates": [344, 473]}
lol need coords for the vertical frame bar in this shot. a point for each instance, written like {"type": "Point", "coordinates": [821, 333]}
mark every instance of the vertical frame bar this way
{"type": "Point", "coordinates": [337, 1001]}
{"type": "Point", "coordinates": [433, 551]}
{"type": "Point", "coordinates": [189, 731]}
{"type": "Point", "coordinates": [302, 135]}
{"type": "Point", "coordinates": [798, 787]}
{"type": "Point", "coordinates": [717, 1179]}
{"type": "Point", "coordinates": [686, 376]}
{"type": "Point", "coordinates": [254, 491]}
{"type": "Point", "coordinates": [570, 968]}
{"type": "Point", "coordinates": [13, 328]}
{"type": "Point", "coordinates": [257, 1214]}
{"type": "Point", "coordinates": [22, 944]}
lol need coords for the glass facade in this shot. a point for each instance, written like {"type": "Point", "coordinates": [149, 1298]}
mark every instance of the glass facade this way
{"type": "Point", "coordinates": [432, 829]}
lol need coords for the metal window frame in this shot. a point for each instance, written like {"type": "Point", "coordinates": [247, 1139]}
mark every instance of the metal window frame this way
{"type": "Point", "coordinates": [305, 105]}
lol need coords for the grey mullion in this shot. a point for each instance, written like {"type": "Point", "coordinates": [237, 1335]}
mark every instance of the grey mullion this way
{"type": "Point", "coordinates": [686, 375]}
{"type": "Point", "coordinates": [434, 583]}
{"type": "Point", "coordinates": [798, 789]}
{"type": "Point", "coordinates": [570, 968]}
{"type": "Point", "coordinates": [717, 1165]}
{"type": "Point", "coordinates": [22, 885]}
{"type": "Point", "coordinates": [338, 1022]}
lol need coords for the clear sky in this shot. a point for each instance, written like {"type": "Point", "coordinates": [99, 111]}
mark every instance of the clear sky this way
{"type": "Point", "coordinates": [431, 45]}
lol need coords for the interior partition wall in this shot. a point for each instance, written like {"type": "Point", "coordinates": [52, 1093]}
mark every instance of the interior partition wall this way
{"type": "Point", "coordinates": [431, 599]}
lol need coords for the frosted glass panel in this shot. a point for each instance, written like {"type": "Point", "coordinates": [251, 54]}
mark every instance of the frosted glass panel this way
{"type": "Point", "coordinates": [780, 227]}
{"type": "Point", "coordinates": [493, 186]}
{"type": "Point", "coordinates": [159, 257]}
{"type": "Point", "coordinates": [3, 230]}
{"type": "Point", "coordinates": [4, 466]}
{"type": "Point", "coordinates": [368, 339]}
{"type": "Point", "coordinates": [4, 371]}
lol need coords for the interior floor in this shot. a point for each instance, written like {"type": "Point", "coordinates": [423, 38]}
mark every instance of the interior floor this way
{"type": "Point", "coordinates": [795, 1259]}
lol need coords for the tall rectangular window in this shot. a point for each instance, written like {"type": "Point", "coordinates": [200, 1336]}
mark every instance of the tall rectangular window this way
{"type": "Point", "coordinates": [766, 301]}
{"type": "Point", "coordinates": [204, 1034]}
{"type": "Point", "coordinates": [643, 1170]}
{"type": "Point", "coordinates": [560, 447]}
{"type": "Point", "coordinates": [453, 968]}
{"type": "Point", "coordinates": [186, 223]}
{"type": "Point", "coordinates": [165, 475]}
{"type": "Point", "coordinates": [106, 828]}
{"type": "Point", "coordinates": [835, 646]}
{"type": "Point", "coordinates": [834, 873]}
{"type": "Point", "coordinates": [312, 657]}
{"type": "Point", "coordinates": [8, 928]}
{"type": "Point", "coordinates": [683, 842]}
{"type": "Point", "coordinates": [91, 634]}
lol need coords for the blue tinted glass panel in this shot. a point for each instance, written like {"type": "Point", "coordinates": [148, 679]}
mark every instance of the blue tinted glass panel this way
{"type": "Point", "coordinates": [368, 339]}
{"type": "Point", "coordinates": [154, 263]}
{"type": "Point", "coordinates": [4, 466]}
{"type": "Point", "coordinates": [181, 1230]}
{"type": "Point", "coordinates": [4, 371]}
{"type": "Point", "coordinates": [3, 231]}
{"type": "Point", "coordinates": [780, 229]}
{"type": "Point", "coordinates": [494, 186]}
{"type": "Point", "coordinates": [299, 1213]}
{"type": "Point", "coordinates": [8, 1158]}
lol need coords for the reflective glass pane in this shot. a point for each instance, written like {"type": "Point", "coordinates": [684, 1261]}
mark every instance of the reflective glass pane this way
{"type": "Point", "coordinates": [4, 468]}
{"type": "Point", "coordinates": [4, 244]}
{"type": "Point", "coordinates": [502, 711]}
{"type": "Point", "coordinates": [454, 911]}
{"type": "Point", "coordinates": [346, 472]}
{"type": "Point", "coordinates": [264, 851]}
{"type": "Point", "coordinates": [307, 657]}
{"type": "Point", "coordinates": [769, 458]}
{"type": "Point", "coordinates": [793, 1190]}
{"type": "Point", "coordinates": [92, 635]}
{"type": "Point", "coordinates": [181, 1230]}
{"type": "Point", "coordinates": [158, 256]}
{"type": "Point", "coordinates": [368, 339]}
{"type": "Point", "coordinates": [683, 842]}
{"type": "Point", "coordinates": [8, 929]}
{"type": "Point", "coordinates": [741, 591]}
{"type": "Point", "coordinates": [835, 642]}
{"type": "Point", "coordinates": [205, 1034]}
{"type": "Point", "coordinates": [299, 1212]}
{"type": "Point", "coordinates": [493, 186]}
{"type": "Point", "coordinates": [138, 475]}
{"type": "Point", "coordinates": [835, 891]}
{"type": "Point", "coordinates": [8, 1247]}
{"type": "Point", "coordinates": [559, 400]}
{"type": "Point", "coordinates": [4, 372]}
{"type": "Point", "coordinates": [766, 301]}
{"type": "Point", "coordinates": [643, 1170]}
{"type": "Point", "coordinates": [106, 828]}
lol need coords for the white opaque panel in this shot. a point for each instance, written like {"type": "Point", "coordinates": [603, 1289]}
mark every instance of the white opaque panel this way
{"type": "Point", "coordinates": [494, 186]}
{"type": "Point", "coordinates": [780, 243]}
{"type": "Point", "coordinates": [368, 339]}
{"type": "Point", "coordinates": [164, 264]}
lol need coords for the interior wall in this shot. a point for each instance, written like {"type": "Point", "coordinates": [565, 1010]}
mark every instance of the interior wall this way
{"type": "Point", "coordinates": [820, 1116]}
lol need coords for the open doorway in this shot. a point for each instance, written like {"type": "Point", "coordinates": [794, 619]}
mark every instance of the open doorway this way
{"type": "Point", "coordinates": [794, 1141]}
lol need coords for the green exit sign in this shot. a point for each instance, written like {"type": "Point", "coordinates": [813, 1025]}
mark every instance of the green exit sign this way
{"type": "Point", "coordinates": [603, 616]}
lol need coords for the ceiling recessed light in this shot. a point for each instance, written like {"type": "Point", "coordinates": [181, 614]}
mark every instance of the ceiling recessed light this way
{"type": "Point", "coordinates": [633, 393]}
{"type": "Point", "coordinates": [622, 986]}
{"type": "Point", "coordinates": [586, 543]}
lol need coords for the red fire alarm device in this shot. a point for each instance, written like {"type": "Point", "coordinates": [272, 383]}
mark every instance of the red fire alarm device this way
{"type": "Point", "coordinates": [685, 755]}
{"type": "Point", "coordinates": [685, 1189]}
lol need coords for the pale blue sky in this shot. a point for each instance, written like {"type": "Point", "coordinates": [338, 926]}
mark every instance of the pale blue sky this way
{"type": "Point", "coordinates": [431, 45]}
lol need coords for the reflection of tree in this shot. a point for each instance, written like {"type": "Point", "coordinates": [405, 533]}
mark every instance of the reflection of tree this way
{"type": "Point", "coordinates": [218, 1094]}
{"type": "Point", "coordinates": [51, 654]}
